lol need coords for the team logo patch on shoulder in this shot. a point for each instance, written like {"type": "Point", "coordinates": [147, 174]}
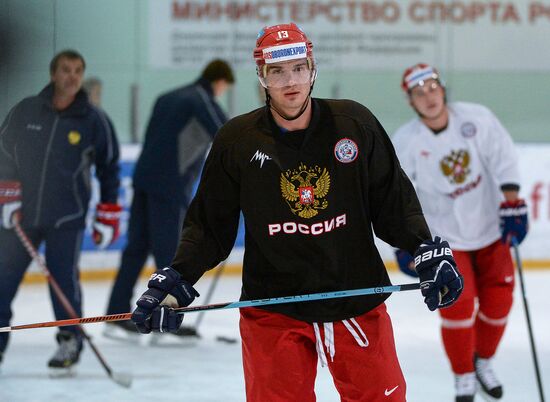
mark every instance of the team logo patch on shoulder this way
{"type": "Point", "coordinates": [346, 150]}
{"type": "Point", "coordinates": [74, 137]}
{"type": "Point", "coordinates": [468, 130]}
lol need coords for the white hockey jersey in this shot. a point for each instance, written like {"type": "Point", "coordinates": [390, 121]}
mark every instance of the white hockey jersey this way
{"type": "Point", "coordinates": [458, 173]}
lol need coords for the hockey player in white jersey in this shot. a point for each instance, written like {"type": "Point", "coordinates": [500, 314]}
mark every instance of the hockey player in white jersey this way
{"type": "Point", "coordinates": [464, 165]}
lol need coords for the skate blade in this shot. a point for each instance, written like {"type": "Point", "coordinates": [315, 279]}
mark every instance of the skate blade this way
{"type": "Point", "coordinates": [62, 372]}
{"type": "Point", "coordinates": [120, 334]}
{"type": "Point", "coordinates": [486, 397]}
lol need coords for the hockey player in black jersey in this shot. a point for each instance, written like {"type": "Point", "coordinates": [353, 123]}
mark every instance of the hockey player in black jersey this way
{"type": "Point", "coordinates": [312, 178]}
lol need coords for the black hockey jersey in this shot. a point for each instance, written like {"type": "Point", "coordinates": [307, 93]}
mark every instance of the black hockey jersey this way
{"type": "Point", "coordinates": [310, 202]}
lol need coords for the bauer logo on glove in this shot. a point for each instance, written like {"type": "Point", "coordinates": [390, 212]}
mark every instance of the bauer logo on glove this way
{"type": "Point", "coordinates": [428, 255]}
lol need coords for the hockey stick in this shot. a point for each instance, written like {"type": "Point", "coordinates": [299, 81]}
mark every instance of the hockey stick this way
{"type": "Point", "coordinates": [528, 317]}
{"type": "Point", "coordinates": [124, 380]}
{"type": "Point", "coordinates": [193, 330]}
{"type": "Point", "coordinates": [230, 305]}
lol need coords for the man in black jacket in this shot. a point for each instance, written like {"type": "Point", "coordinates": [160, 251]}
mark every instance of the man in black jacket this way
{"type": "Point", "coordinates": [313, 178]}
{"type": "Point", "coordinates": [48, 144]}
{"type": "Point", "coordinates": [179, 133]}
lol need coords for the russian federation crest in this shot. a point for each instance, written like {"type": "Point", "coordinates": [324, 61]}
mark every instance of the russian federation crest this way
{"type": "Point", "coordinates": [304, 189]}
{"type": "Point", "coordinates": [455, 166]}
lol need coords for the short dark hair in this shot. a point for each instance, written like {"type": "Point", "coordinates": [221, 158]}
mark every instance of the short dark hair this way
{"type": "Point", "coordinates": [67, 54]}
{"type": "Point", "coordinates": [218, 70]}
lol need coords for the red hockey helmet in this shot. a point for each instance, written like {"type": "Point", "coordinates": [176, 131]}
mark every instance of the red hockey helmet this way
{"type": "Point", "coordinates": [417, 75]}
{"type": "Point", "coordinates": [283, 42]}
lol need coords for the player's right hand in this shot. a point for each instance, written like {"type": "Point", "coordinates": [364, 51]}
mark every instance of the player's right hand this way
{"type": "Point", "coordinates": [10, 203]}
{"type": "Point", "coordinates": [155, 311]}
{"type": "Point", "coordinates": [440, 281]}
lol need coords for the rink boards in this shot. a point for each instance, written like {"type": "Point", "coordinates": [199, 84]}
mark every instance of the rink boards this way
{"type": "Point", "coordinates": [535, 173]}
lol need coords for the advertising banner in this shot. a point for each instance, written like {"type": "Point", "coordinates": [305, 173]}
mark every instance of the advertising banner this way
{"type": "Point", "coordinates": [361, 35]}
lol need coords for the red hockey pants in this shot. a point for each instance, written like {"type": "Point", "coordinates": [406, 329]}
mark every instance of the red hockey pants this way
{"type": "Point", "coordinates": [280, 357]}
{"type": "Point", "coordinates": [476, 322]}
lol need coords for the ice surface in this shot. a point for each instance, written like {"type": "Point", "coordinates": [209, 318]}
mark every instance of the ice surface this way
{"type": "Point", "coordinates": [209, 370]}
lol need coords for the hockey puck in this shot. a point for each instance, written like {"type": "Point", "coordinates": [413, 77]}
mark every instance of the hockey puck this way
{"type": "Point", "coordinates": [226, 339]}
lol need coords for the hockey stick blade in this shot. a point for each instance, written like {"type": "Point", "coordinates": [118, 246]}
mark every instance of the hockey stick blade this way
{"type": "Point", "coordinates": [223, 306]}
{"type": "Point", "coordinates": [67, 306]}
{"type": "Point", "coordinates": [122, 379]}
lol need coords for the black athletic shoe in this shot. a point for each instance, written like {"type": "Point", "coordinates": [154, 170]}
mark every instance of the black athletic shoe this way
{"type": "Point", "coordinates": [186, 331]}
{"type": "Point", "coordinates": [490, 385]}
{"type": "Point", "coordinates": [67, 354]}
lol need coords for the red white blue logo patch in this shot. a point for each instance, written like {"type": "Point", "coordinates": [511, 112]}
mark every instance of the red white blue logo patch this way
{"type": "Point", "coordinates": [346, 150]}
{"type": "Point", "coordinates": [468, 130]}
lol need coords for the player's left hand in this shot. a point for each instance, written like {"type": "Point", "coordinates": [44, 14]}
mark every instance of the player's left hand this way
{"type": "Point", "coordinates": [106, 225]}
{"type": "Point", "coordinates": [440, 282]}
{"type": "Point", "coordinates": [513, 221]}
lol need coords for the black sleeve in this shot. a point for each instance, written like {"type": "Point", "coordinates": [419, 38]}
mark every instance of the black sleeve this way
{"type": "Point", "coordinates": [211, 224]}
{"type": "Point", "coordinates": [106, 159]}
{"type": "Point", "coordinates": [395, 210]}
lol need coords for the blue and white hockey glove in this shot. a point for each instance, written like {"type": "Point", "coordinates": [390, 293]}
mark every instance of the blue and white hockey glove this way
{"type": "Point", "coordinates": [513, 221]}
{"type": "Point", "coordinates": [166, 290]}
{"type": "Point", "coordinates": [405, 261]}
{"type": "Point", "coordinates": [440, 282]}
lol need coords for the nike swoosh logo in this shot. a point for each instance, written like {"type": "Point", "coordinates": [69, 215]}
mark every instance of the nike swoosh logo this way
{"type": "Point", "coordinates": [388, 393]}
{"type": "Point", "coordinates": [508, 279]}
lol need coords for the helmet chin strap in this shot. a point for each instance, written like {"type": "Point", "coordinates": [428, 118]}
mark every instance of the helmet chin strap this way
{"type": "Point", "coordinates": [288, 118]}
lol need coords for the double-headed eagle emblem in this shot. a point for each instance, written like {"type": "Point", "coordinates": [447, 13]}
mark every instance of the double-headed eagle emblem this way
{"type": "Point", "coordinates": [455, 166]}
{"type": "Point", "coordinates": [304, 190]}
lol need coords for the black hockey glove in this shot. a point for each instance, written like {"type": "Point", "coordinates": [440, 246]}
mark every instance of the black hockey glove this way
{"type": "Point", "coordinates": [166, 290]}
{"type": "Point", "coordinates": [440, 281]}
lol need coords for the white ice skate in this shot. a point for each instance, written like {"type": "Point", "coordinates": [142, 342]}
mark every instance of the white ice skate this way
{"type": "Point", "coordinates": [491, 388]}
{"type": "Point", "coordinates": [465, 386]}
